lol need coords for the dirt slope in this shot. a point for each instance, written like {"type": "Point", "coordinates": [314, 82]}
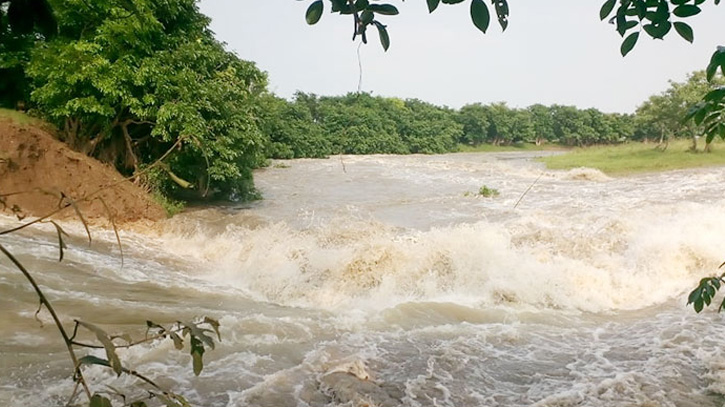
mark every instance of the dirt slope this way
{"type": "Point", "coordinates": [35, 169]}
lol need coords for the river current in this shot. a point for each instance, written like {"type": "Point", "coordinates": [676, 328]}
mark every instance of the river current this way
{"type": "Point", "coordinates": [387, 281]}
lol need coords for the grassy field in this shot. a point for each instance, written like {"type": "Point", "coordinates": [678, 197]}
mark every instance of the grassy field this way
{"type": "Point", "coordinates": [633, 158]}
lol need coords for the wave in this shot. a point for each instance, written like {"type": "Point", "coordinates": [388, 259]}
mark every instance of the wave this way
{"type": "Point", "coordinates": [588, 262]}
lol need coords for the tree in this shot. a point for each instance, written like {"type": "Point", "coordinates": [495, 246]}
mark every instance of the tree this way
{"type": "Point", "coordinates": [543, 123]}
{"type": "Point", "coordinates": [291, 129]}
{"type": "Point", "coordinates": [661, 115]}
{"type": "Point", "coordinates": [474, 119]}
{"type": "Point", "coordinates": [153, 81]}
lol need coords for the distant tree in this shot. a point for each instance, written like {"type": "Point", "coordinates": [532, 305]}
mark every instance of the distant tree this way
{"type": "Point", "coordinates": [427, 129]}
{"type": "Point", "coordinates": [543, 123]}
{"type": "Point", "coordinates": [474, 119]}
{"type": "Point", "coordinates": [291, 129]}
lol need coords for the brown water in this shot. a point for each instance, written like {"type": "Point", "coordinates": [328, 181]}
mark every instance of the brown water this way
{"type": "Point", "coordinates": [393, 269]}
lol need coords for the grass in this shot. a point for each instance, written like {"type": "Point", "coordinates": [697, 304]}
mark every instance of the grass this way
{"type": "Point", "coordinates": [634, 158]}
{"type": "Point", "coordinates": [171, 206]}
{"type": "Point", "coordinates": [490, 148]}
{"type": "Point", "coordinates": [18, 117]}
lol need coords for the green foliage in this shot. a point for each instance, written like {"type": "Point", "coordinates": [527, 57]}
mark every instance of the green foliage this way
{"type": "Point", "coordinates": [171, 206]}
{"type": "Point", "coordinates": [153, 82]}
{"type": "Point", "coordinates": [487, 192]}
{"type": "Point", "coordinates": [365, 15]}
{"type": "Point", "coordinates": [705, 292]}
{"type": "Point", "coordinates": [655, 18]}
{"type": "Point", "coordinates": [709, 113]}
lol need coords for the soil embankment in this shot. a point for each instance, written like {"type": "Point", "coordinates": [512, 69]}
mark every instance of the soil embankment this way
{"type": "Point", "coordinates": [35, 169]}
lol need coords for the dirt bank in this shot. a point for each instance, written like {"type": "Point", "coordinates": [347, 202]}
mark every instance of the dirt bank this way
{"type": "Point", "coordinates": [35, 169]}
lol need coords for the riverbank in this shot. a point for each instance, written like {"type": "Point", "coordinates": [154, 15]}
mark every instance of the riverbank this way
{"type": "Point", "coordinates": [37, 171]}
{"type": "Point", "coordinates": [633, 158]}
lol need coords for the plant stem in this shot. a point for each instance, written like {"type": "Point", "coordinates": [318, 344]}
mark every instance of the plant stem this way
{"type": "Point", "coordinates": [44, 301]}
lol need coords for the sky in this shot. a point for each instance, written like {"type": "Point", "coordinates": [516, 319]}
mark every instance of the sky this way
{"type": "Point", "coordinates": [553, 52]}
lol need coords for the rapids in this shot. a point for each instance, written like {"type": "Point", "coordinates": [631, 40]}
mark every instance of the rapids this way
{"type": "Point", "coordinates": [386, 281]}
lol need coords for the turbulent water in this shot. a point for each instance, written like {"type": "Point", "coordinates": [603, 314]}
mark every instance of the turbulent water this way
{"type": "Point", "coordinates": [386, 281]}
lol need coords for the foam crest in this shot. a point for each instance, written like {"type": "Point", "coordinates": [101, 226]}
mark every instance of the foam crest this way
{"type": "Point", "coordinates": [589, 262]}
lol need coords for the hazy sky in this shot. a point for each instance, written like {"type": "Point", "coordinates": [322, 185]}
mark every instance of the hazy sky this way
{"type": "Point", "coordinates": [554, 51]}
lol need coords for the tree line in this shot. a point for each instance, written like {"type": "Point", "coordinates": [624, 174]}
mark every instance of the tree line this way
{"type": "Point", "coordinates": [360, 123]}
{"type": "Point", "coordinates": [132, 82]}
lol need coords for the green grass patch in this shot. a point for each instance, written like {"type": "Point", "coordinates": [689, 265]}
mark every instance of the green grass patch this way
{"type": "Point", "coordinates": [171, 206]}
{"type": "Point", "coordinates": [633, 158]}
{"type": "Point", "coordinates": [19, 117]}
{"type": "Point", "coordinates": [490, 148]}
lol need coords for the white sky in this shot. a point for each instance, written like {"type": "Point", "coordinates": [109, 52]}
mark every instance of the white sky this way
{"type": "Point", "coordinates": [554, 51]}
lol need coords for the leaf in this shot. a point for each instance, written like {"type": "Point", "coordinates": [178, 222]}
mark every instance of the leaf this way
{"type": "Point", "coordinates": [108, 345]}
{"type": "Point", "coordinates": [686, 10]}
{"type": "Point", "coordinates": [366, 17]}
{"type": "Point", "coordinates": [480, 15]}
{"type": "Point", "coordinates": [628, 43]}
{"type": "Point", "coordinates": [685, 31]}
{"type": "Point", "coordinates": [139, 403]}
{"type": "Point", "coordinates": [658, 31]}
{"type": "Point", "coordinates": [502, 12]}
{"type": "Point", "coordinates": [197, 351]}
{"type": "Point", "coordinates": [93, 360]}
{"type": "Point", "coordinates": [361, 4]}
{"type": "Point", "coordinates": [178, 342]}
{"type": "Point", "coordinates": [99, 401]}
{"type": "Point", "coordinates": [716, 60]}
{"type": "Point", "coordinates": [432, 5]}
{"type": "Point", "coordinates": [606, 9]}
{"type": "Point", "coordinates": [314, 12]}
{"type": "Point", "coordinates": [383, 34]}
{"type": "Point", "coordinates": [384, 9]}
{"type": "Point", "coordinates": [215, 325]}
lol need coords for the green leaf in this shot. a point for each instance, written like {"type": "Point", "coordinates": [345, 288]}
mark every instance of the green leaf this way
{"type": "Point", "coordinates": [314, 12]}
{"type": "Point", "coordinates": [502, 12]}
{"type": "Point", "coordinates": [139, 403]}
{"type": "Point", "coordinates": [198, 362]}
{"type": "Point", "coordinates": [361, 4]}
{"type": "Point", "coordinates": [366, 17]}
{"type": "Point", "coordinates": [383, 34]}
{"type": "Point", "coordinates": [686, 10]}
{"type": "Point", "coordinates": [480, 15]}
{"type": "Point", "coordinates": [432, 5]}
{"type": "Point", "coordinates": [698, 305]}
{"type": "Point", "coordinates": [658, 31]}
{"type": "Point", "coordinates": [99, 401]}
{"type": "Point", "coordinates": [685, 31]}
{"type": "Point", "coordinates": [93, 360]}
{"type": "Point", "coordinates": [606, 9]}
{"type": "Point", "coordinates": [384, 9]}
{"type": "Point", "coordinates": [108, 345]}
{"type": "Point", "coordinates": [629, 43]}
{"type": "Point", "coordinates": [197, 352]}
{"type": "Point", "coordinates": [716, 60]}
